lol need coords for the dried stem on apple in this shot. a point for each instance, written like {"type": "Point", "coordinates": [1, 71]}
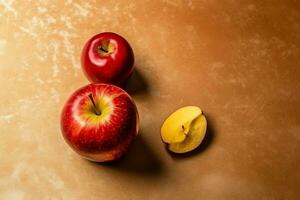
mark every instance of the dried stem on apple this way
{"type": "Point", "coordinates": [183, 129]}
{"type": "Point", "coordinates": [103, 49]}
{"type": "Point", "coordinates": [106, 48]}
{"type": "Point", "coordinates": [97, 111]}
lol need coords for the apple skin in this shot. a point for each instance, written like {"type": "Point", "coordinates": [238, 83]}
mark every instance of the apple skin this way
{"type": "Point", "coordinates": [104, 137]}
{"type": "Point", "coordinates": [114, 66]}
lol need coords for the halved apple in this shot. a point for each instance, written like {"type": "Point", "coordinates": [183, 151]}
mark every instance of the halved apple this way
{"type": "Point", "coordinates": [184, 129]}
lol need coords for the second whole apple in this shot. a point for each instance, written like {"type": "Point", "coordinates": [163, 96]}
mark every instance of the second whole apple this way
{"type": "Point", "coordinates": [107, 58]}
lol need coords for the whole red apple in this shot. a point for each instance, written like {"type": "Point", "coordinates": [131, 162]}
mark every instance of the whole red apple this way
{"type": "Point", "coordinates": [107, 58]}
{"type": "Point", "coordinates": [99, 121]}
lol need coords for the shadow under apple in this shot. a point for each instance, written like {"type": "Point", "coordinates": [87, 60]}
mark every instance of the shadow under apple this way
{"type": "Point", "coordinates": [137, 84]}
{"type": "Point", "coordinates": [139, 160]}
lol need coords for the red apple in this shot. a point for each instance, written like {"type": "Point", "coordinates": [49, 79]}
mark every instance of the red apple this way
{"type": "Point", "coordinates": [107, 58]}
{"type": "Point", "coordinates": [99, 121]}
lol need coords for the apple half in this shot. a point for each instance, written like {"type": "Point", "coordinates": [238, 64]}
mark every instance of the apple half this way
{"type": "Point", "coordinates": [184, 129]}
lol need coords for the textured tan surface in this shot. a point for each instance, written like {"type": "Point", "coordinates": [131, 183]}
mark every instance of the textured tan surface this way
{"type": "Point", "coordinates": [238, 60]}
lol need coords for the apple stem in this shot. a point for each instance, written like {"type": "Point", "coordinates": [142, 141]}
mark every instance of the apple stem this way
{"type": "Point", "coordinates": [97, 111]}
{"type": "Point", "coordinates": [183, 129]}
{"type": "Point", "coordinates": [103, 49]}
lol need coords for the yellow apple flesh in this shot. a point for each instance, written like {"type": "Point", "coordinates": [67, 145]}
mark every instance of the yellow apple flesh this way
{"type": "Point", "coordinates": [184, 129]}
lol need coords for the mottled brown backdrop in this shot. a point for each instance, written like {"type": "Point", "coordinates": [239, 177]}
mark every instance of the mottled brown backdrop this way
{"type": "Point", "coordinates": [237, 60]}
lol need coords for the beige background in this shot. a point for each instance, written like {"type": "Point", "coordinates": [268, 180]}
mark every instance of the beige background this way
{"type": "Point", "coordinates": [237, 60]}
